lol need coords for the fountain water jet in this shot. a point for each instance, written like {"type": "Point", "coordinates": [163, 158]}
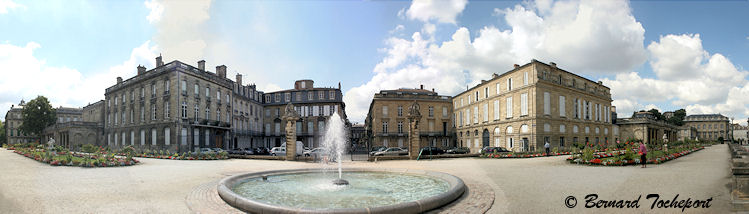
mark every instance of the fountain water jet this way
{"type": "Point", "coordinates": [335, 140]}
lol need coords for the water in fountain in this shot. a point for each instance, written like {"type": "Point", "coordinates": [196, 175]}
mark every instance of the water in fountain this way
{"type": "Point", "coordinates": [335, 140]}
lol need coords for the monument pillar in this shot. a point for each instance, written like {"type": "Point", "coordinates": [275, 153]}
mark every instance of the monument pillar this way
{"type": "Point", "coordinates": [414, 138]}
{"type": "Point", "coordinates": [290, 116]}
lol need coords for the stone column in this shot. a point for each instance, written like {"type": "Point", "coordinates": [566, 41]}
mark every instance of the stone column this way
{"type": "Point", "coordinates": [290, 116]}
{"type": "Point", "coordinates": [414, 139]}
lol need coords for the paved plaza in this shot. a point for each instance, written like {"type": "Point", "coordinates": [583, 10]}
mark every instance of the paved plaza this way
{"type": "Point", "coordinates": [538, 185]}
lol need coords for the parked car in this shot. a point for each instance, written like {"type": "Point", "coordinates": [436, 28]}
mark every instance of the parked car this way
{"type": "Point", "coordinates": [319, 153]}
{"type": "Point", "coordinates": [488, 150]}
{"type": "Point", "coordinates": [458, 150]}
{"type": "Point", "coordinates": [248, 151]}
{"type": "Point", "coordinates": [278, 151]}
{"type": "Point", "coordinates": [377, 149]}
{"type": "Point", "coordinates": [262, 151]}
{"type": "Point", "coordinates": [431, 151]}
{"type": "Point", "coordinates": [392, 151]}
{"type": "Point", "coordinates": [236, 151]}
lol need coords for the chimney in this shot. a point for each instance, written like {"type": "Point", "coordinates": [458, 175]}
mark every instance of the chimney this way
{"type": "Point", "coordinates": [432, 89]}
{"type": "Point", "coordinates": [495, 75]}
{"type": "Point", "coordinates": [221, 71]}
{"type": "Point", "coordinates": [339, 85]}
{"type": "Point", "coordinates": [239, 79]}
{"type": "Point", "coordinates": [159, 62]}
{"type": "Point", "coordinates": [553, 64]}
{"type": "Point", "coordinates": [119, 80]}
{"type": "Point", "coordinates": [141, 69]}
{"type": "Point", "coordinates": [422, 87]}
{"type": "Point", "coordinates": [516, 66]}
{"type": "Point", "coordinates": [201, 65]}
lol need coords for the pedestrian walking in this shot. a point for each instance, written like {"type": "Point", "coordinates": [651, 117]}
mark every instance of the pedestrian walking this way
{"type": "Point", "coordinates": [643, 154]}
{"type": "Point", "coordinates": [546, 146]}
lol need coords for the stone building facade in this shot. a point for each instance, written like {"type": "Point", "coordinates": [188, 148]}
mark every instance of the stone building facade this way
{"type": "Point", "coordinates": [529, 105]}
{"type": "Point", "coordinates": [78, 126]}
{"type": "Point", "coordinates": [389, 124]}
{"type": "Point", "coordinates": [709, 126]}
{"type": "Point", "coordinates": [644, 126]}
{"type": "Point", "coordinates": [686, 133]}
{"type": "Point", "coordinates": [740, 133]}
{"type": "Point", "coordinates": [13, 121]}
{"type": "Point", "coordinates": [174, 107]}
{"type": "Point", "coordinates": [247, 117]}
{"type": "Point", "coordinates": [315, 106]}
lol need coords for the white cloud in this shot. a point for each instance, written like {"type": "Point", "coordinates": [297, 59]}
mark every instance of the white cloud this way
{"type": "Point", "coordinates": [180, 32]}
{"type": "Point", "coordinates": [582, 37]}
{"type": "Point", "coordinates": [444, 11]}
{"type": "Point", "coordinates": [61, 85]}
{"type": "Point", "coordinates": [8, 5]}
{"type": "Point", "coordinates": [157, 10]}
{"type": "Point", "coordinates": [687, 75]}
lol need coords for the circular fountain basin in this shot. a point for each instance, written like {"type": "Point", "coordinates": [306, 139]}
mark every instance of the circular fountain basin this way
{"type": "Point", "coordinates": [312, 191]}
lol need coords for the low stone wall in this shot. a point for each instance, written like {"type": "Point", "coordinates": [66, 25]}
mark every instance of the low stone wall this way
{"type": "Point", "coordinates": [740, 171]}
{"type": "Point", "coordinates": [456, 189]}
{"type": "Point", "coordinates": [268, 157]}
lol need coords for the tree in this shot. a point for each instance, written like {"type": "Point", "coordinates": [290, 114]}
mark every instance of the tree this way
{"type": "Point", "coordinates": [2, 133]}
{"type": "Point", "coordinates": [657, 114]}
{"type": "Point", "coordinates": [37, 115]}
{"type": "Point", "coordinates": [678, 118]}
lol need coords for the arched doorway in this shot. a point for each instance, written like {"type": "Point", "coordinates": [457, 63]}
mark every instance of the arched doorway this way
{"type": "Point", "coordinates": [485, 138]}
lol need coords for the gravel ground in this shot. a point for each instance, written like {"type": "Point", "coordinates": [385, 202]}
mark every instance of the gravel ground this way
{"type": "Point", "coordinates": [538, 185]}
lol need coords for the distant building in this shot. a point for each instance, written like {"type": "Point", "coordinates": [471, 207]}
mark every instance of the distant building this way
{"type": "Point", "coordinates": [389, 126]}
{"type": "Point", "coordinates": [247, 120]}
{"type": "Point", "coordinates": [78, 126]}
{"type": "Point", "coordinates": [739, 133]}
{"type": "Point", "coordinates": [315, 105]}
{"type": "Point", "coordinates": [687, 133]}
{"type": "Point", "coordinates": [13, 121]}
{"type": "Point", "coordinates": [709, 126]}
{"type": "Point", "coordinates": [358, 135]}
{"type": "Point", "coordinates": [644, 126]}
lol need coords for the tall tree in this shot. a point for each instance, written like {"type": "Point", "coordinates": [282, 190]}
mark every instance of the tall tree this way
{"type": "Point", "coordinates": [37, 115]}
{"type": "Point", "coordinates": [678, 118]}
{"type": "Point", "coordinates": [2, 133]}
{"type": "Point", "coordinates": [656, 113]}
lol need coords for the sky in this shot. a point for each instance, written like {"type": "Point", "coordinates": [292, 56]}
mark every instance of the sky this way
{"type": "Point", "coordinates": [652, 54]}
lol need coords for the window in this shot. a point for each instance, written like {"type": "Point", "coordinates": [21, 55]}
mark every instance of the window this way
{"type": "Point", "coordinates": [460, 119]}
{"type": "Point", "coordinates": [298, 96]}
{"type": "Point", "coordinates": [444, 112]}
{"type": "Point", "coordinates": [184, 109]}
{"type": "Point", "coordinates": [132, 138]}
{"type": "Point", "coordinates": [468, 116]}
{"type": "Point", "coordinates": [561, 141]}
{"type": "Point", "coordinates": [524, 104]}
{"type": "Point", "coordinates": [400, 127]}
{"type": "Point", "coordinates": [310, 96]}
{"type": "Point", "coordinates": [547, 103]}
{"type": "Point", "coordinates": [142, 113]}
{"type": "Point", "coordinates": [476, 114]}
{"type": "Point", "coordinates": [207, 136]}
{"type": "Point", "coordinates": [509, 107]}
{"type": "Point", "coordinates": [166, 110]}
{"type": "Point", "coordinates": [124, 117]}
{"type": "Point", "coordinates": [184, 86]}
{"type": "Point", "coordinates": [431, 111]}
{"type": "Point", "coordinates": [496, 110]}
{"type": "Point", "coordinates": [197, 89]}
{"type": "Point", "coordinates": [384, 111]}
{"type": "Point", "coordinates": [153, 111]}
{"type": "Point", "coordinates": [486, 92]}
{"type": "Point", "coordinates": [218, 114]}
{"type": "Point", "coordinates": [196, 112]}
{"type": "Point", "coordinates": [123, 138]}
{"type": "Point", "coordinates": [525, 78]}
{"type": "Point", "coordinates": [385, 127]}
{"type": "Point", "coordinates": [143, 92]}
{"type": "Point", "coordinates": [332, 95]}
{"type": "Point", "coordinates": [287, 97]}
{"type": "Point", "coordinates": [509, 84]}
{"type": "Point", "coordinates": [578, 108]}
{"type": "Point", "coordinates": [208, 114]}
{"type": "Point", "coordinates": [153, 136]}
{"type": "Point", "coordinates": [497, 88]}
{"type": "Point", "coordinates": [278, 97]}
{"type": "Point", "coordinates": [562, 128]}
{"type": "Point", "coordinates": [400, 111]}
{"type": "Point", "coordinates": [115, 139]}
{"type": "Point", "coordinates": [486, 112]}
{"type": "Point", "coordinates": [321, 95]}
{"type": "Point", "coordinates": [562, 104]}
{"type": "Point", "coordinates": [278, 129]}
{"type": "Point", "coordinates": [166, 86]}
{"type": "Point", "coordinates": [207, 92]}
{"type": "Point", "coordinates": [196, 137]}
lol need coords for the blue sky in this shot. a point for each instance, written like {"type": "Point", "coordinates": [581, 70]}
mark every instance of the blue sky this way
{"type": "Point", "coordinates": [373, 45]}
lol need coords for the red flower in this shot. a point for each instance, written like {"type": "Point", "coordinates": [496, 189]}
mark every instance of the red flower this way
{"type": "Point", "coordinates": [596, 161]}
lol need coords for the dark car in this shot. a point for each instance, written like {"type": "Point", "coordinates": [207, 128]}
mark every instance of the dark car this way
{"type": "Point", "coordinates": [489, 150]}
{"type": "Point", "coordinates": [431, 151]}
{"type": "Point", "coordinates": [248, 151]}
{"type": "Point", "coordinates": [262, 151]}
{"type": "Point", "coordinates": [458, 150]}
{"type": "Point", "coordinates": [377, 149]}
{"type": "Point", "coordinates": [236, 151]}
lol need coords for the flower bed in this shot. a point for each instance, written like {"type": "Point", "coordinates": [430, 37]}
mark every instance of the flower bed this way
{"type": "Point", "coordinates": [522, 155]}
{"type": "Point", "coordinates": [64, 158]}
{"type": "Point", "coordinates": [184, 155]}
{"type": "Point", "coordinates": [624, 158]}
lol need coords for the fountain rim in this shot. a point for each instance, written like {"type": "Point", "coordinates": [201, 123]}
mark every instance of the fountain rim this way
{"type": "Point", "coordinates": [456, 189]}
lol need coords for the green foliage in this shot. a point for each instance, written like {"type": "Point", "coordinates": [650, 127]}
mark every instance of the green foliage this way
{"type": "Point", "coordinates": [37, 115]}
{"type": "Point", "coordinates": [88, 148]}
{"type": "Point", "coordinates": [587, 154]}
{"type": "Point", "coordinates": [678, 118]}
{"type": "Point", "coordinates": [2, 133]}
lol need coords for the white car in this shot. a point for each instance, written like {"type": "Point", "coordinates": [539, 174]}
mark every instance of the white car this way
{"type": "Point", "coordinates": [278, 151]}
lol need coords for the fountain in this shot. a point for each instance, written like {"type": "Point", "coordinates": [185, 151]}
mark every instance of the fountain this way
{"type": "Point", "coordinates": [362, 190]}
